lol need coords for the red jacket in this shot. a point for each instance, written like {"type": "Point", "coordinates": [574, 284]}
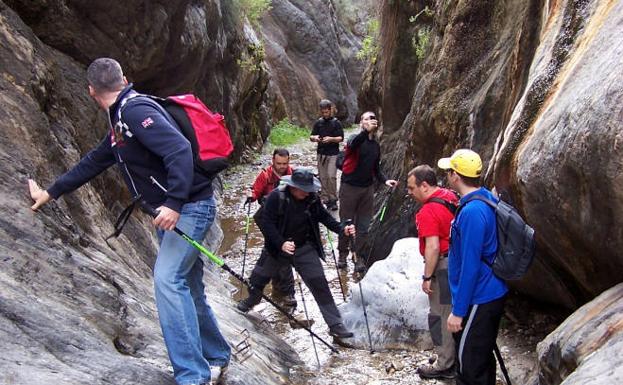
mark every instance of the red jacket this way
{"type": "Point", "coordinates": [266, 182]}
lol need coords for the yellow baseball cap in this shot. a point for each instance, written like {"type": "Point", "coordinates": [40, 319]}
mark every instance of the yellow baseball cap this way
{"type": "Point", "coordinates": [465, 162]}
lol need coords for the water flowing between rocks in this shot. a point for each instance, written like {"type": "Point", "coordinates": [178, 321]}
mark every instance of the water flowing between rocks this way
{"type": "Point", "coordinates": [520, 332]}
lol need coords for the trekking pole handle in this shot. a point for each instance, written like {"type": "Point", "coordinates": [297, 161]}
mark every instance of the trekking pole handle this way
{"type": "Point", "coordinates": [146, 207]}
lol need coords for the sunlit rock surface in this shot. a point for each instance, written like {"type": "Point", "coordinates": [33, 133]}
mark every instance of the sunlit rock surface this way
{"type": "Point", "coordinates": [588, 347]}
{"type": "Point", "coordinates": [396, 306]}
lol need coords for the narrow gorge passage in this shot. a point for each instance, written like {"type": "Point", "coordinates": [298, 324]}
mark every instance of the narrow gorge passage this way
{"type": "Point", "coordinates": [518, 336]}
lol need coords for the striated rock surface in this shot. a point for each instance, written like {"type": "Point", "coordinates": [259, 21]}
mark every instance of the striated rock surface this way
{"type": "Point", "coordinates": [529, 85]}
{"type": "Point", "coordinates": [588, 347]}
{"type": "Point", "coordinates": [310, 55]}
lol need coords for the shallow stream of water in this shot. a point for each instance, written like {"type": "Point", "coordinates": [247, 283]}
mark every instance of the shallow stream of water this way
{"type": "Point", "coordinates": [350, 366]}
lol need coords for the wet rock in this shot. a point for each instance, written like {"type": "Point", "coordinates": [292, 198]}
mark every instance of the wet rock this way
{"type": "Point", "coordinates": [588, 346]}
{"type": "Point", "coordinates": [397, 309]}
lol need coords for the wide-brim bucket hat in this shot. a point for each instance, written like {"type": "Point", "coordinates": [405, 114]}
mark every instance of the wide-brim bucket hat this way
{"type": "Point", "coordinates": [302, 179]}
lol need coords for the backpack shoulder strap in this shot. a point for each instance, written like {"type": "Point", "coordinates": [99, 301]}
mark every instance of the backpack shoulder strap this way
{"type": "Point", "coordinates": [478, 197]}
{"type": "Point", "coordinates": [491, 204]}
{"type": "Point", "coordinates": [281, 209]}
{"type": "Point", "coordinates": [450, 206]}
{"type": "Point", "coordinates": [147, 99]}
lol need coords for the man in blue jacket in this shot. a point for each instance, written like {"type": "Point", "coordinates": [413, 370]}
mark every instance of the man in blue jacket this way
{"type": "Point", "coordinates": [477, 294]}
{"type": "Point", "coordinates": [156, 162]}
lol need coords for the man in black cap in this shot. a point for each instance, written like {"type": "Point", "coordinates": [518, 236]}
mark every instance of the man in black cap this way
{"type": "Point", "coordinates": [290, 221]}
{"type": "Point", "coordinates": [328, 133]}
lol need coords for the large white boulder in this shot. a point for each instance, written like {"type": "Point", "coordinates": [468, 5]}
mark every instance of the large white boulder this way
{"type": "Point", "coordinates": [396, 306]}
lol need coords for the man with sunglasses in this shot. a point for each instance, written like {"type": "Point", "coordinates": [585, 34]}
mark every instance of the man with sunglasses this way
{"type": "Point", "coordinates": [361, 167]}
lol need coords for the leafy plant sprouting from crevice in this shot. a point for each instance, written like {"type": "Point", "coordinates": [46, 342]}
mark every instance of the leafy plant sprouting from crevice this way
{"type": "Point", "coordinates": [421, 39]}
{"type": "Point", "coordinates": [252, 58]}
{"type": "Point", "coordinates": [370, 45]}
{"type": "Point", "coordinates": [420, 42]}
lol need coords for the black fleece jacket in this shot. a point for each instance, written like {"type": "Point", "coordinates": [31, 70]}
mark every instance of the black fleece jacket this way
{"type": "Point", "coordinates": [272, 221]}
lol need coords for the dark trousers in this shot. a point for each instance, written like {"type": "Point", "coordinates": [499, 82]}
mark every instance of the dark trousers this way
{"type": "Point", "coordinates": [356, 203]}
{"type": "Point", "coordinates": [284, 280]}
{"type": "Point", "coordinates": [307, 263]}
{"type": "Point", "coordinates": [474, 344]}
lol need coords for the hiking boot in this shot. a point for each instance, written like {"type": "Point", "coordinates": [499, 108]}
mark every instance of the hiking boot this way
{"type": "Point", "coordinates": [339, 331]}
{"type": "Point", "coordinates": [432, 372]}
{"type": "Point", "coordinates": [289, 300]}
{"type": "Point", "coordinates": [248, 303]}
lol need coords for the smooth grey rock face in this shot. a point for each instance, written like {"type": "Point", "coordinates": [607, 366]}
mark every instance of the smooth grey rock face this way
{"type": "Point", "coordinates": [588, 347]}
{"type": "Point", "coordinates": [397, 308]}
{"type": "Point", "coordinates": [564, 159]}
{"type": "Point", "coordinates": [310, 55]}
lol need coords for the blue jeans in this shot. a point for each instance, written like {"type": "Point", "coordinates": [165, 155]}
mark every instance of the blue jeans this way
{"type": "Point", "coordinates": [190, 330]}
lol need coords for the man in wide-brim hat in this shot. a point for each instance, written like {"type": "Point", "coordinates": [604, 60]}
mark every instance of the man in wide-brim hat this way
{"type": "Point", "coordinates": [290, 223]}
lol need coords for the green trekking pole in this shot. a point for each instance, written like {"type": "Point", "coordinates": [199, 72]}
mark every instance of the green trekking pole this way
{"type": "Point", "coordinates": [336, 268]}
{"type": "Point", "coordinates": [381, 216]}
{"type": "Point", "coordinates": [220, 263]}
{"type": "Point", "coordinates": [246, 236]}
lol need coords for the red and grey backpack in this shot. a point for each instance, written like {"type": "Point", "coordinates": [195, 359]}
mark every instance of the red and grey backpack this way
{"type": "Point", "coordinates": [204, 129]}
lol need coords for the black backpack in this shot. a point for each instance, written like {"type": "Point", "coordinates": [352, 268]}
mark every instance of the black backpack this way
{"type": "Point", "coordinates": [516, 241]}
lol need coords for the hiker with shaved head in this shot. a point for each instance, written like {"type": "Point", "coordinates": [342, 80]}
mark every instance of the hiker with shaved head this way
{"type": "Point", "coordinates": [328, 133]}
{"type": "Point", "coordinates": [156, 162]}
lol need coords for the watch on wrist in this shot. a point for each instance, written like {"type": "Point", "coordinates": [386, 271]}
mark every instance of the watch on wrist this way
{"type": "Point", "coordinates": [425, 278]}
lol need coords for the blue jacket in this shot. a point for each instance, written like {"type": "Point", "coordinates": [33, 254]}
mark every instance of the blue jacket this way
{"type": "Point", "coordinates": [473, 236]}
{"type": "Point", "coordinates": [149, 150]}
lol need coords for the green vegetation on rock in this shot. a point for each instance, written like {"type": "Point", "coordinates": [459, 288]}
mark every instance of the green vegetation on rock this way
{"type": "Point", "coordinates": [254, 9]}
{"type": "Point", "coordinates": [420, 42]}
{"type": "Point", "coordinates": [370, 46]}
{"type": "Point", "coordinates": [253, 58]}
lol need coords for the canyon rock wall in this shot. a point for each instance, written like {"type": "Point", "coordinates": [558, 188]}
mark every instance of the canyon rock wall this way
{"type": "Point", "coordinates": [533, 87]}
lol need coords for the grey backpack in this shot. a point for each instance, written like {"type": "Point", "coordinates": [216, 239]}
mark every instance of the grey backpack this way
{"type": "Point", "coordinates": [516, 243]}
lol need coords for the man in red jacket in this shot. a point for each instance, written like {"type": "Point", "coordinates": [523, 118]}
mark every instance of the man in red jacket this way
{"type": "Point", "coordinates": [268, 179]}
{"type": "Point", "coordinates": [265, 182]}
{"type": "Point", "coordinates": [433, 222]}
